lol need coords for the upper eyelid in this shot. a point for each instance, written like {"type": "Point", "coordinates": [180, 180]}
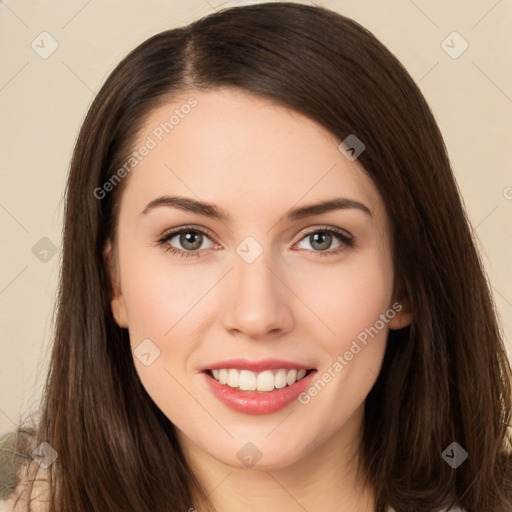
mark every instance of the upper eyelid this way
{"type": "Point", "coordinates": [331, 229]}
{"type": "Point", "coordinates": [169, 233]}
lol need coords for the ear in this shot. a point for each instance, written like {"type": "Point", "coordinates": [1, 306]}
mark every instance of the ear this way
{"type": "Point", "coordinates": [403, 316]}
{"type": "Point", "coordinates": [116, 297]}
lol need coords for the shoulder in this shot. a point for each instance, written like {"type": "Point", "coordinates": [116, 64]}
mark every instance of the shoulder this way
{"type": "Point", "coordinates": [17, 474]}
{"type": "Point", "coordinates": [19, 499]}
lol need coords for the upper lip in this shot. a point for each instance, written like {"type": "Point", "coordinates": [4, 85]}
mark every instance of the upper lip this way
{"type": "Point", "coordinates": [256, 366]}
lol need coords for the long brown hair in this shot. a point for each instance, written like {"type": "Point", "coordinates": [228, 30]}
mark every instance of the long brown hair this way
{"type": "Point", "coordinates": [445, 379]}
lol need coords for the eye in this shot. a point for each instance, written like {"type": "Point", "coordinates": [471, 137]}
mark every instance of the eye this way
{"type": "Point", "coordinates": [189, 241]}
{"type": "Point", "coordinates": [186, 241]}
{"type": "Point", "coordinates": [321, 241]}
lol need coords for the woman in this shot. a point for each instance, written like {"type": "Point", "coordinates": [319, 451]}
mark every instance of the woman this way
{"type": "Point", "coordinates": [270, 296]}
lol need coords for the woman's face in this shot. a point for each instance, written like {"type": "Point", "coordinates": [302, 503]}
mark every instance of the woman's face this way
{"type": "Point", "coordinates": [259, 284]}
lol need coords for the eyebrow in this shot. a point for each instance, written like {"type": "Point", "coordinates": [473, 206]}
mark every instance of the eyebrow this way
{"type": "Point", "coordinates": [213, 211]}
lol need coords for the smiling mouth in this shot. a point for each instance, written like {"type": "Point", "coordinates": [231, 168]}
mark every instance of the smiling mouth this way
{"type": "Point", "coordinates": [263, 382]}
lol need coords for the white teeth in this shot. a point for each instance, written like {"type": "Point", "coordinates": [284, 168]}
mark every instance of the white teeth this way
{"type": "Point", "coordinates": [233, 378]}
{"type": "Point", "coordinates": [280, 378]}
{"type": "Point", "coordinates": [247, 381]}
{"type": "Point", "coordinates": [291, 377]}
{"type": "Point", "coordinates": [267, 380]}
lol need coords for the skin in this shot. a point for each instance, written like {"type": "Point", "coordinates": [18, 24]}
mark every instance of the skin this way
{"type": "Point", "coordinates": [256, 160]}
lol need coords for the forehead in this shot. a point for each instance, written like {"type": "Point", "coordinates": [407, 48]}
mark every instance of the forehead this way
{"type": "Point", "coordinates": [232, 148]}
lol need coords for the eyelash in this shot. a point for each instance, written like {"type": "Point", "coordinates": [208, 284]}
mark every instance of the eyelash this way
{"type": "Point", "coordinates": [345, 239]}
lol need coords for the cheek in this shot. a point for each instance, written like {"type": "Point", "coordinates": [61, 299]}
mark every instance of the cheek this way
{"type": "Point", "coordinates": [347, 298]}
{"type": "Point", "coordinates": [158, 296]}
{"type": "Point", "coordinates": [160, 301]}
{"type": "Point", "coordinates": [352, 300]}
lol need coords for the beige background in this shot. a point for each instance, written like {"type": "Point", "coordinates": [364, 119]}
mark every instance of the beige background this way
{"type": "Point", "coordinates": [43, 101]}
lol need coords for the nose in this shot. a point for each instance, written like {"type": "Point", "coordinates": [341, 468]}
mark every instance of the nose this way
{"type": "Point", "coordinates": [259, 304]}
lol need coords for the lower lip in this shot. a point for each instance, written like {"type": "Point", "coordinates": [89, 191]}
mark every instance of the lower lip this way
{"type": "Point", "coordinates": [257, 402]}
